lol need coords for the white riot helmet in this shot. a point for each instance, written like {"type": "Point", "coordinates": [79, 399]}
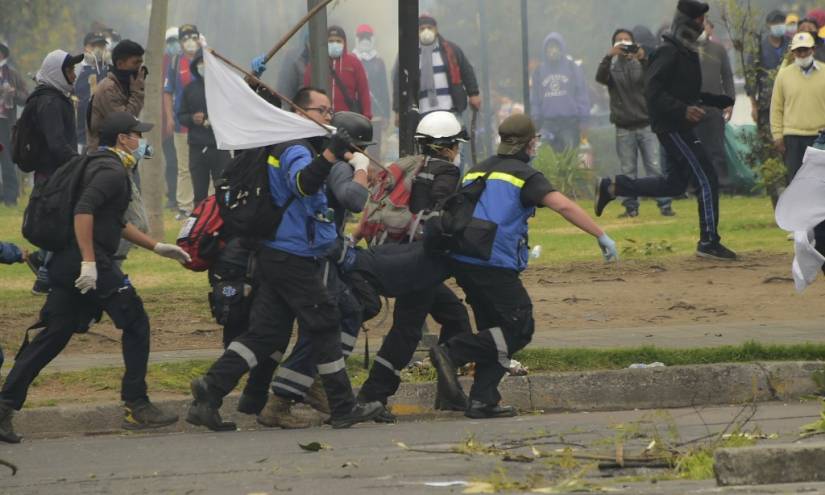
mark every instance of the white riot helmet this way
{"type": "Point", "coordinates": [440, 128]}
{"type": "Point", "coordinates": [172, 33]}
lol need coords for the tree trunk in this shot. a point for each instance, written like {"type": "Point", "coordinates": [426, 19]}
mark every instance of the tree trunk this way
{"type": "Point", "coordinates": [152, 171]}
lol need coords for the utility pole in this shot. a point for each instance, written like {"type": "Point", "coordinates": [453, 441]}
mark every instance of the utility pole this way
{"type": "Point", "coordinates": [525, 58]}
{"type": "Point", "coordinates": [153, 170]}
{"type": "Point", "coordinates": [319, 56]}
{"type": "Point", "coordinates": [408, 75]}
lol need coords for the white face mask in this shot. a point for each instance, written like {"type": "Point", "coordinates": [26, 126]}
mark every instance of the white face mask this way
{"type": "Point", "coordinates": [365, 45]}
{"type": "Point", "coordinates": [805, 62]}
{"type": "Point", "coordinates": [190, 46]}
{"type": "Point", "coordinates": [457, 158]}
{"type": "Point", "coordinates": [702, 37]}
{"type": "Point", "coordinates": [335, 49]}
{"type": "Point", "coordinates": [426, 36]}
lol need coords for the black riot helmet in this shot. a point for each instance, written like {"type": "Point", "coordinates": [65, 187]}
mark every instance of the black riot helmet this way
{"type": "Point", "coordinates": [358, 127]}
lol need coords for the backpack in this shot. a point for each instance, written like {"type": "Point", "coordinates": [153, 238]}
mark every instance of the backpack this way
{"type": "Point", "coordinates": [48, 221]}
{"type": "Point", "coordinates": [243, 196]}
{"type": "Point", "coordinates": [454, 229]}
{"type": "Point", "coordinates": [200, 235]}
{"type": "Point", "coordinates": [387, 214]}
{"type": "Point", "coordinates": [27, 141]}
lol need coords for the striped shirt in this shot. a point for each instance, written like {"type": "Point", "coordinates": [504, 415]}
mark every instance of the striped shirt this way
{"type": "Point", "coordinates": [442, 86]}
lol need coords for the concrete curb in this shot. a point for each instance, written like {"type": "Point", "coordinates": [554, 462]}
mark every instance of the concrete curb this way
{"type": "Point", "coordinates": [651, 388]}
{"type": "Point", "coordinates": [769, 465]}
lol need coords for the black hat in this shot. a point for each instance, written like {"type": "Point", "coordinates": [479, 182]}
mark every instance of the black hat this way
{"type": "Point", "coordinates": [71, 60]}
{"type": "Point", "coordinates": [188, 30]}
{"type": "Point", "coordinates": [693, 8]}
{"type": "Point", "coordinates": [94, 38]}
{"type": "Point", "coordinates": [427, 20]}
{"type": "Point", "coordinates": [122, 123]}
{"type": "Point", "coordinates": [336, 31]}
{"type": "Point", "coordinates": [358, 127]}
{"type": "Point", "coordinates": [775, 17]}
{"type": "Point", "coordinates": [126, 49]}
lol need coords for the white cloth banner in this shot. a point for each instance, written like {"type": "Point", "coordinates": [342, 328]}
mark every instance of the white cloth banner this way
{"type": "Point", "coordinates": [241, 119]}
{"type": "Point", "coordinates": [807, 261]}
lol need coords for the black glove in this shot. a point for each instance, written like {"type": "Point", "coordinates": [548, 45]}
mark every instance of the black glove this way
{"type": "Point", "coordinates": [340, 144]}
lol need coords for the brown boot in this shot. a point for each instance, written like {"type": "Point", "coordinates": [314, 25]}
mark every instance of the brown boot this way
{"type": "Point", "coordinates": [278, 412]}
{"type": "Point", "coordinates": [316, 397]}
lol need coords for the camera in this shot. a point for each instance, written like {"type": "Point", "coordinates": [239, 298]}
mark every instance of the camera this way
{"type": "Point", "coordinates": [634, 48]}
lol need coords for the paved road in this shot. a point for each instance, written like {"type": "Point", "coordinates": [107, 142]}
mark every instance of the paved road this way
{"type": "Point", "coordinates": [363, 460]}
{"type": "Point", "coordinates": [678, 336]}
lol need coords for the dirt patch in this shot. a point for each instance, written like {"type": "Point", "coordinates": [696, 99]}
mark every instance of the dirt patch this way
{"type": "Point", "coordinates": [665, 291]}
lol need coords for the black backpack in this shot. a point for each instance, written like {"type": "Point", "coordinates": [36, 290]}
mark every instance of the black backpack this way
{"type": "Point", "coordinates": [27, 142]}
{"type": "Point", "coordinates": [244, 198]}
{"type": "Point", "coordinates": [48, 221]}
{"type": "Point", "coordinates": [454, 230]}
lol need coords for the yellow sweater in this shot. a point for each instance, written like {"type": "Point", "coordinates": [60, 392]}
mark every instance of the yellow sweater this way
{"type": "Point", "coordinates": [798, 102]}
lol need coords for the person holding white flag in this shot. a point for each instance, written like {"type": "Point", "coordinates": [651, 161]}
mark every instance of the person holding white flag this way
{"type": "Point", "coordinates": [290, 264]}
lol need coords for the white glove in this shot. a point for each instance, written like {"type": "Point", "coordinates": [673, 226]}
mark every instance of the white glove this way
{"type": "Point", "coordinates": [88, 277]}
{"type": "Point", "coordinates": [360, 161]}
{"type": "Point", "coordinates": [608, 247]}
{"type": "Point", "coordinates": [172, 251]}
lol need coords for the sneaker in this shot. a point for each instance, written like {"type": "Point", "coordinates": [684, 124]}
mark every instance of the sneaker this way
{"type": "Point", "coordinates": [278, 413]}
{"type": "Point", "coordinates": [251, 404]}
{"type": "Point", "coordinates": [142, 414]}
{"type": "Point", "coordinates": [631, 213]}
{"type": "Point", "coordinates": [203, 412]}
{"type": "Point", "coordinates": [480, 410]}
{"type": "Point", "coordinates": [182, 215]}
{"type": "Point", "coordinates": [316, 397]}
{"type": "Point", "coordinates": [41, 287]}
{"type": "Point", "coordinates": [714, 250]}
{"type": "Point", "coordinates": [603, 195]}
{"type": "Point", "coordinates": [667, 211]}
{"type": "Point", "coordinates": [450, 395]}
{"type": "Point", "coordinates": [7, 433]}
{"type": "Point", "coordinates": [386, 416]}
{"type": "Point", "coordinates": [359, 414]}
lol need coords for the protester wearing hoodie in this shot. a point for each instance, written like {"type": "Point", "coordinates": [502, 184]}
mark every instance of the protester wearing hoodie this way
{"type": "Point", "coordinates": [205, 159]}
{"type": "Point", "coordinates": [559, 96]}
{"type": "Point", "coordinates": [92, 71]}
{"type": "Point", "coordinates": [772, 49]}
{"type": "Point", "coordinates": [121, 91]}
{"type": "Point", "coordinates": [12, 93]}
{"type": "Point", "coordinates": [622, 70]}
{"type": "Point", "coordinates": [674, 99]}
{"type": "Point", "coordinates": [377, 77]}
{"type": "Point", "coordinates": [347, 78]}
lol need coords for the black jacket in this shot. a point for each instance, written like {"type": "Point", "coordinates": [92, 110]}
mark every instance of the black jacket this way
{"type": "Point", "coordinates": [674, 80]}
{"type": "Point", "coordinates": [55, 122]}
{"type": "Point", "coordinates": [459, 90]}
{"type": "Point", "coordinates": [192, 102]}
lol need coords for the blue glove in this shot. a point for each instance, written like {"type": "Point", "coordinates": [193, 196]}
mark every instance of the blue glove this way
{"type": "Point", "coordinates": [9, 253]}
{"type": "Point", "coordinates": [608, 247]}
{"type": "Point", "coordinates": [258, 65]}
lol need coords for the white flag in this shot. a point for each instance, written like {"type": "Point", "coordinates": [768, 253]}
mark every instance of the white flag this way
{"type": "Point", "coordinates": [240, 118]}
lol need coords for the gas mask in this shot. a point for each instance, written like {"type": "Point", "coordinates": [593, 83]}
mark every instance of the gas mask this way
{"type": "Point", "coordinates": [190, 45]}
{"type": "Point", "coordinates": [427, 36]}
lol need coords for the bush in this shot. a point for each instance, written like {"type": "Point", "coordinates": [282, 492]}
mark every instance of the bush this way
{"type": "Point", "coordinates": [565, 171]}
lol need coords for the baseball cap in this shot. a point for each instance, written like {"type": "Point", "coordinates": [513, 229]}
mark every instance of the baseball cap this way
{"type": "Point", "coordinates": [188, 30]}
{"type": "Point", "coordinates": [363, 29]}
{"type": "Point", "coordinates": [515, 132]}
{"type": "Point", "coordinates": [94, 38]}
{"type": "Point", "coordinates": [123, 123]}
{"type": "Point", "coordinates": [802, 40]}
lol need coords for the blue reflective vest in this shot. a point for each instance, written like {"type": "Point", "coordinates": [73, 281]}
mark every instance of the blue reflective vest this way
{"type": "Point", "coordinates": [501, 204]}
{"type": "Point", "coordinates": [307, 228]}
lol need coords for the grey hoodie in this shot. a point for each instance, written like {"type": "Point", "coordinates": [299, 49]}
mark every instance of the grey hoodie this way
{"type": "Point", "coordinates": [51, 72]}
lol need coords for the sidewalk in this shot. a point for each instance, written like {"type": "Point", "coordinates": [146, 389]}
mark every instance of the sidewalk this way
{"type": "Point", "coordinates": [676, 336]}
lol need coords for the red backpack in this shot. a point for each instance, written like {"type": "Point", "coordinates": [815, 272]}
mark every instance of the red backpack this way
{"type": "Point", "coordinates": [387, 215]}
{"type": "Point", "coordinates": [200, 235]}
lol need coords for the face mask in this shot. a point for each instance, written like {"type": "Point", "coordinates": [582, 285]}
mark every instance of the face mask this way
{"type": "Point", "coordinates": [457, 159]}
{"type": "Point", "coordinates": [190, 45]}
{"type": "Point", "coordinates": [426, 36]}
{"type": "Point", "coordinates": [335, 49]}
{"type": "Point", "coordinates": [778, 30]}
{"type": "Point", "coordinates": [790, 29]}
{"type": "Point", "coordinates": [805, 62]}
{"type": "Point", "coordinates": [702, 37]}
{"type": "Point", "coordinates": [173, 48]}
{"type": "Point", "coordinates": [365, 45]}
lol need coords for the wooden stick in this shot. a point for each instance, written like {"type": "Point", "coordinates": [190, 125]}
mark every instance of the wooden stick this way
{"type": "Point", "coordinates": [298, 109]}
{"type": "Point", "coordinates": [283, 41]}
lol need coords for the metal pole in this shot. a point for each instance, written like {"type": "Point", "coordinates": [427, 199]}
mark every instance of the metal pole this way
{"type": "Point", "coordinates": [525, 58]}
{"type": "Point", "coordinates": [408, 75]}
{"type": "Point", "coordinates": [486, 105]}
{"type": "Point", "coordinates": [319, 57]}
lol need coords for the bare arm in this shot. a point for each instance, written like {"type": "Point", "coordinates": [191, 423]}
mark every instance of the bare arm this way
{"type": "Point", "coordinates": [571, 212]}
{"type": "Point", "coordinates": [83, 231]}
{"type": "Point", "coordinates": [138, 238]}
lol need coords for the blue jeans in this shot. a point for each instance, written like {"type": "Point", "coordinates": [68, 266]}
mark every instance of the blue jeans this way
{"type": "Point", "coordinates": [630, 143]}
